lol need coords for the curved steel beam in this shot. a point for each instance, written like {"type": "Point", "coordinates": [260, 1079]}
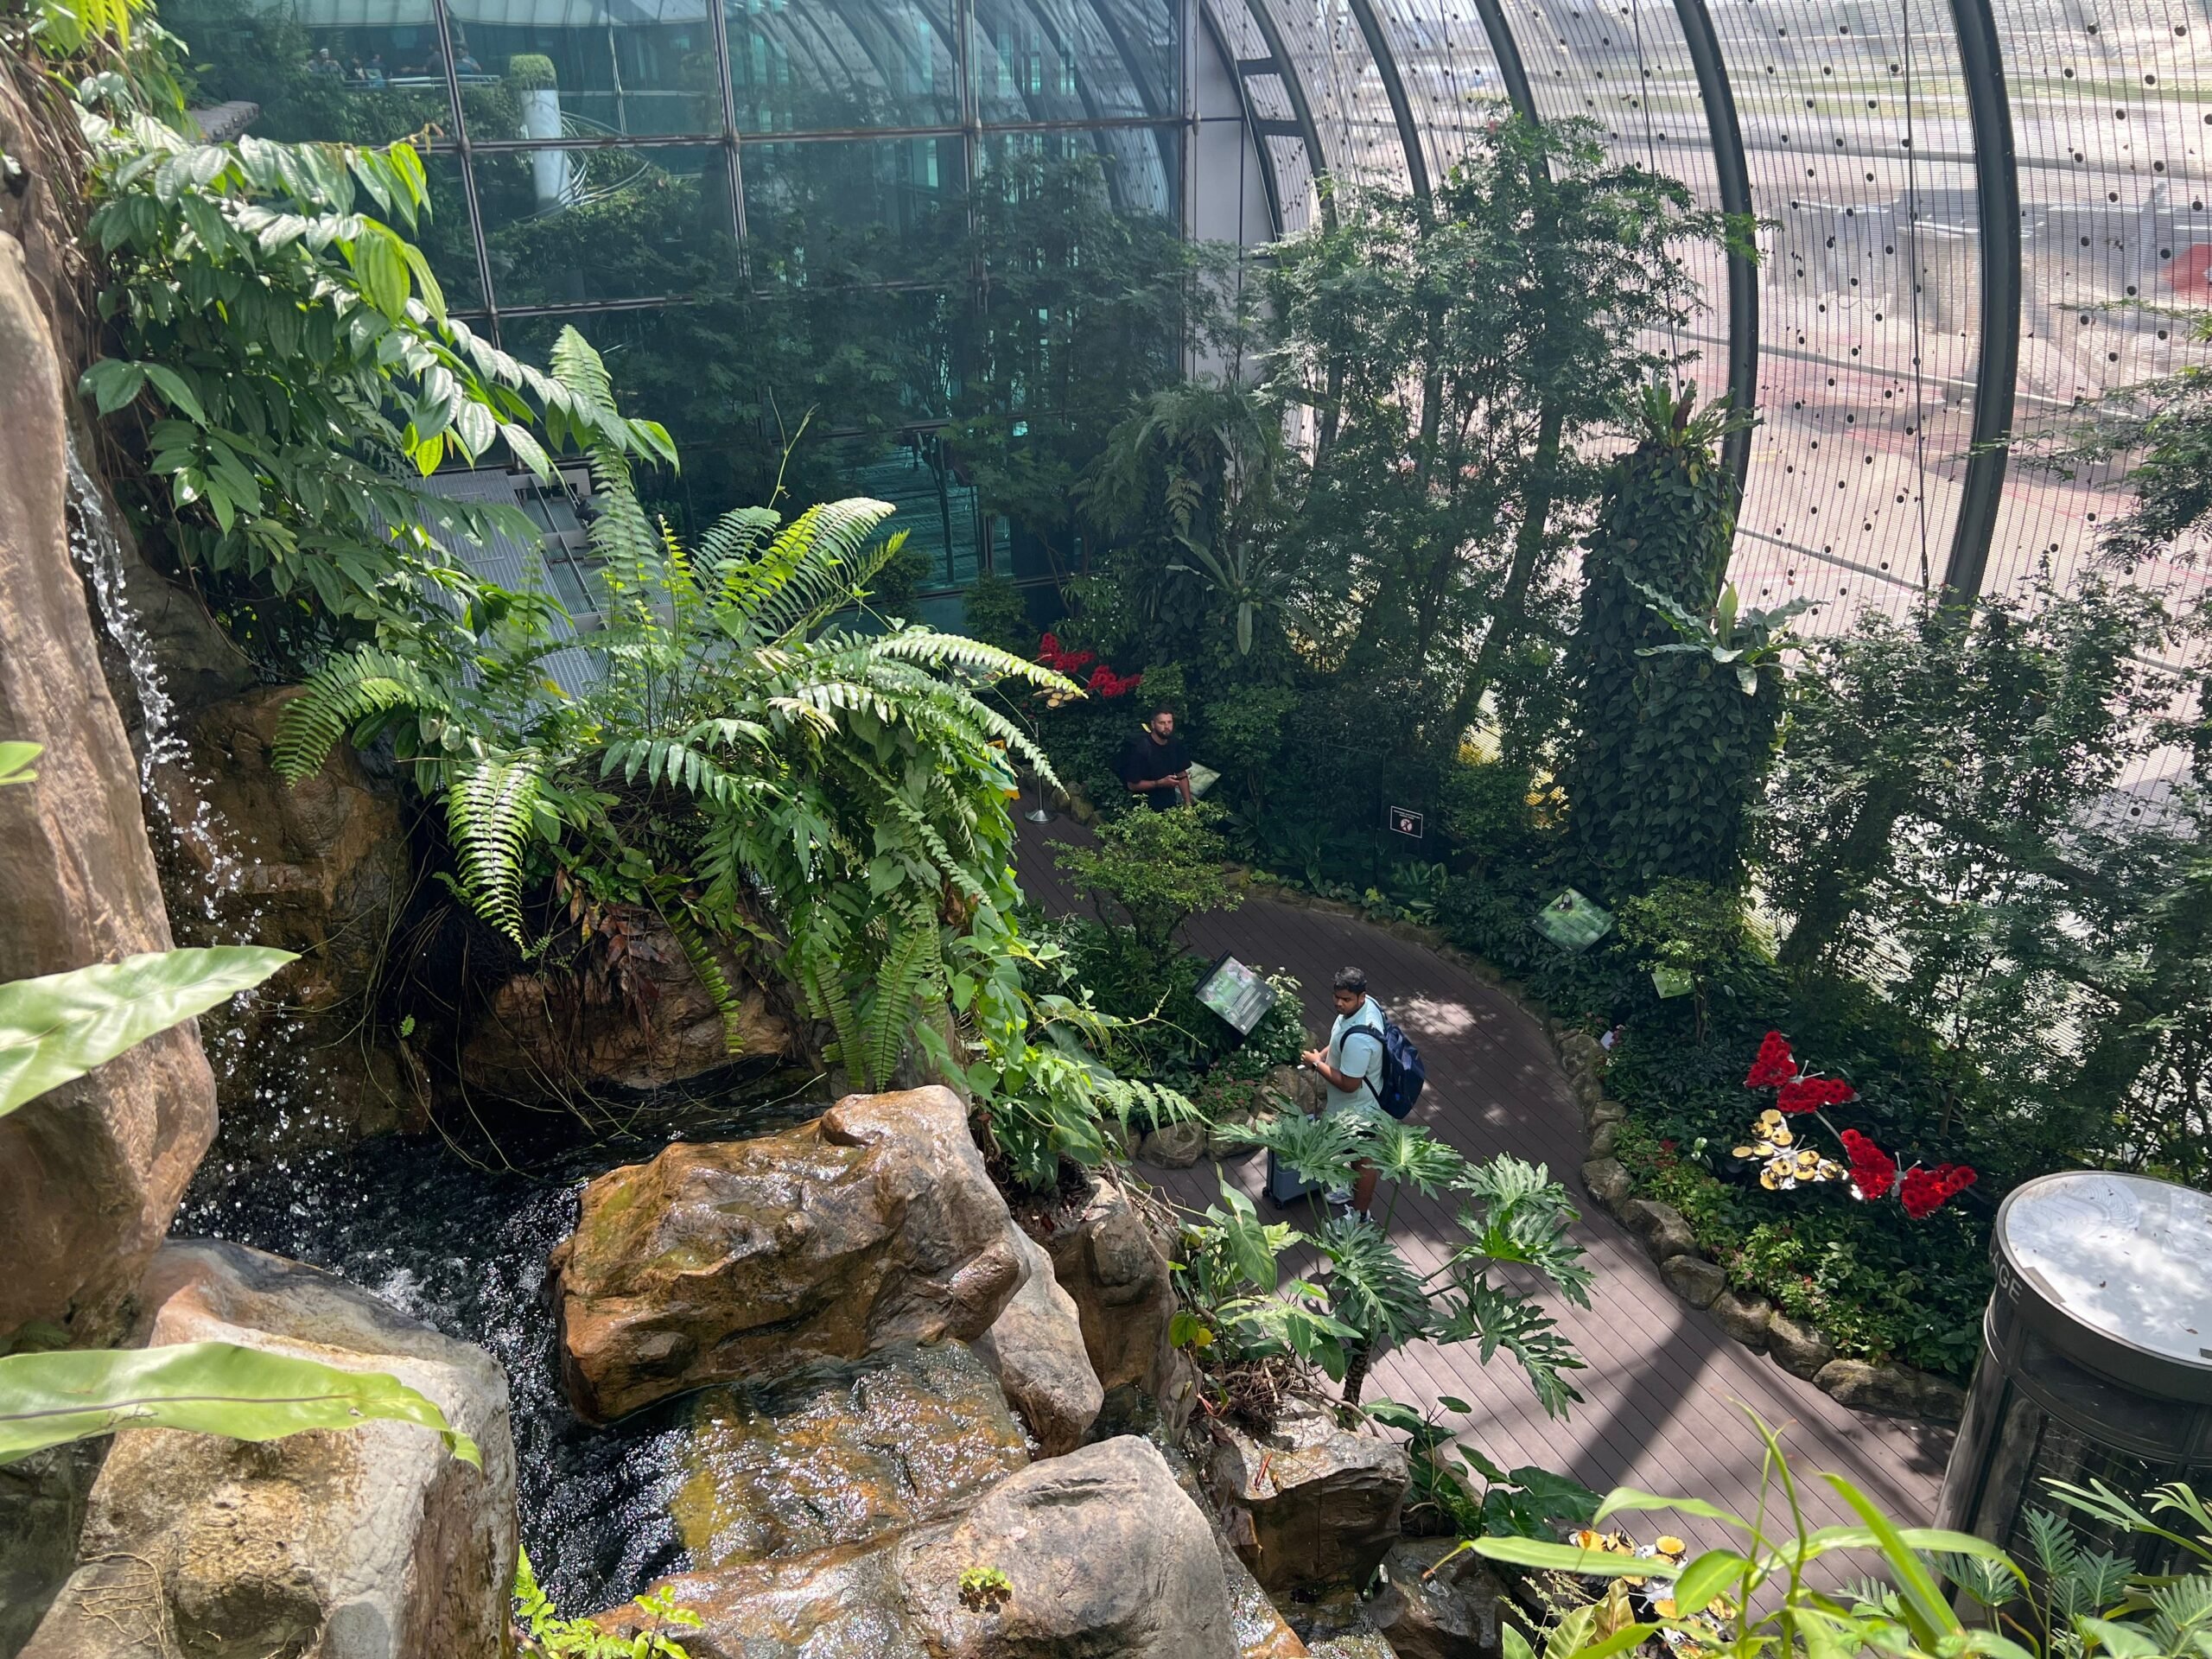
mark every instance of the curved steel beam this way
{"type": "Point", "coordinates": [1511, 68]}
{"type": "Point", "coordinates": [1996, 206]}
{"type": "Point", "coordinates": [1301, 108]}
{"type": "Point", "coordinates": [1270, 187]}
{"type": "Point", "coordinates": [1393, 88]}
{"type": "Point", "coordinates": [1733, 173]}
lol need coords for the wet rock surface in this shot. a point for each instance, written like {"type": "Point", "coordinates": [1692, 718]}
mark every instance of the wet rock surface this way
{"type": "Point", "coordinates": [1433, 1608]}
{"type": "Point", "coordinates": [322, 867]}
{"type": "Point", "coordinates": [835, 1455]}
{"type": "Point", "coordinates": [873, 1225]}
{"type": "Point", "coordinates": [371, 1541]}
{"type": "Point", "coordinates": [1035, 1349]}
{"type": "Point", "coordinates": [1323, 1500]}
{"type": "Point", "coordinates": [543, 1037]}
{"type": "Point", "coordinates": [1102, 1557]}
{"type": "Point", "coordinates": [1116, 1273]}
{"type": "Point", "coordinates": [90, 1172]}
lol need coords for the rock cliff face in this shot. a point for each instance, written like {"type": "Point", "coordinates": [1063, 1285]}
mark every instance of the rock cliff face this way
{"type": "Point", "coordinates": [874, 1224]}
{"type": "Point", "coordinates": [321, 868]}
{"type": "Point", "coordinates": [91, 1174]}
{"type": "Point", "coordinates": [1096, 1553]}
{"type": "Point", "coordinates": [371, 1542]}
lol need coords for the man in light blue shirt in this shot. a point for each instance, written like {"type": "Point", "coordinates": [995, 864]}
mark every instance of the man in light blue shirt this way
{"type": "Point", "coordinates": [1351, 1065]}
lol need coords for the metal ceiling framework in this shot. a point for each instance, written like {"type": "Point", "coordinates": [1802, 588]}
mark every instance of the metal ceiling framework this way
{"type": "Point", "coordinates": [1906, 304]}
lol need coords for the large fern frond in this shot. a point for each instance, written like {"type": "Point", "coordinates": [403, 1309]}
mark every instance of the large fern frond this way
{"type": "Point", "coordinates": [700, 953]}
{"type": "Point", "coordinates": [489, 809]}
{"type": "Point", "coordinates": [911, 965]}
{"type": "Point", "coordinates": [739, 535]}
{"type": "Point", "coordinates": [339, 697]}
{"type": "Point", "coordinates": [804, 574]}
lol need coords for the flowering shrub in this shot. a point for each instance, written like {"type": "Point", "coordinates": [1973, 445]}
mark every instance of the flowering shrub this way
{"type": "Point", "coordinates": [1103, 681]}
{"type": "Point", "coordinates": [1873, 1172]}
{"type": "Point", "coordinates": [1924, 1190]}
{"type": "Point", "coordinates": [1069, 663]}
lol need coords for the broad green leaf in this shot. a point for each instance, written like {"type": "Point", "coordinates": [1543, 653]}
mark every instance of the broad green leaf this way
{"type": "Point", "coordinates": [1926, 1608]}
{"type": "Point", "coordinates": [2122, 1641]}
{"type": "Point", "coordinates": [1513, 1645]}
{"type": "Point", "coordinates": [1563, 1558]}
{"type": "Point", "coordinates": [1707, 1577]}
{"type": "Point", "coordinates": [178, 395]}
{"type": "Point", "coordinates": [15, 762]}
{"type": "Point", "coordinates": [61, 1026]}
{"type": "Point", "coordinates": [1624, 1498]}
{"type": "Point", "coordinates": [210, 1387]}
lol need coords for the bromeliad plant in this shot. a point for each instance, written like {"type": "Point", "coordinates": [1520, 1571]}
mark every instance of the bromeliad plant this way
{"type": "Point", "coordinates": [1514, 1214]}
{"type": "Point", "coordinates": [737, 751]}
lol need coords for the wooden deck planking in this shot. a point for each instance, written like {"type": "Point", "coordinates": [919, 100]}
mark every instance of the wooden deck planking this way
{"type": "Point", "coordinates": [1660, 1406]}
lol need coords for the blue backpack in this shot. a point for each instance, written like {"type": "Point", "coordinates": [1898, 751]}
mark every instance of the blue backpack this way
{"type": "Point", "coordinates": [1404, 1076]}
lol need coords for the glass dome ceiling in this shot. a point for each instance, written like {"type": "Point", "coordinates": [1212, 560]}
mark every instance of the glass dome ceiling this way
{"type": "Point", "coordinates": [1973, 216]}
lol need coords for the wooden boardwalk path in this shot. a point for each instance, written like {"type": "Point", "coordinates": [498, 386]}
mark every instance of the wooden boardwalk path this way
{"type": "Point", "coordinates": [1663, 1390]}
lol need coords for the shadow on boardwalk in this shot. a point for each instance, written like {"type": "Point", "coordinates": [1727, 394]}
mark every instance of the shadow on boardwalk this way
{"type": "Point", "coordinates": [1663, 1395]}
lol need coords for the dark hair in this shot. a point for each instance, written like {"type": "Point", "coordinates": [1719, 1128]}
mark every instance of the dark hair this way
{"type": "Point", "coordinates": [1158, 709]}
{"type": "Point", "coordinates": [1350, 979]}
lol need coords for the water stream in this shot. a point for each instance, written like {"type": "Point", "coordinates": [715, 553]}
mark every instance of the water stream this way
{"type": "Point", "coordinates": [463, 1249]}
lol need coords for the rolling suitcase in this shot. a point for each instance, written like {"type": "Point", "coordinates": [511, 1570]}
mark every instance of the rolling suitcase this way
{"type": "Point", "coordinates": [1284, 1188]}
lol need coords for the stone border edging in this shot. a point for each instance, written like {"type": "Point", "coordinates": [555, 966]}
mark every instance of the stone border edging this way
{"type": "Point", "coordinates": [1865, 1385]}
{"type": "Point", "coordinates": [1751, 1319]}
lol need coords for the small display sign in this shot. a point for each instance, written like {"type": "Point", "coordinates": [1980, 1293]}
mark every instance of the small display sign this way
{"type": "Point", "coordinates": [1236, 994]}
{"type": "Point", "coordinates": [1404, 821]}
{"type": "Point", "coordinates": [1573, 922]}
{"type": "Point", "coordinates": [1671, 982]}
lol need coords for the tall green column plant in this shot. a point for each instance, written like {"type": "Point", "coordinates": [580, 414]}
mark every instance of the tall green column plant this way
{"type": "Point", "coordinates": [1671, 732]}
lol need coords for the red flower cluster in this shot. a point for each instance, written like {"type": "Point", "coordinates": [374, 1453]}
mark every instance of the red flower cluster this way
{"type": "Point", "coordinates": [1776, 1065]}
{"type": "Point", "coordinates": [1873, 1172]}
{"type": "Point", "coordinates": [1064, 662]}
{"type": "Point", "coordinates": [1926, 1190]}
{"type": "Point", "coordinates": [1105, 683]}
{"type": "Point", "coordinates": [1810, 1094]}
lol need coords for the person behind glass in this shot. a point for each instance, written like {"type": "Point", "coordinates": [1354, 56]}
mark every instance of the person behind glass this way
{"type": "Point", "coordinates": [1154, 765]}
{"type": "Point", "coordinates": [1352, 1067]}
{"type": "Point", "coordinates": [323, 66]}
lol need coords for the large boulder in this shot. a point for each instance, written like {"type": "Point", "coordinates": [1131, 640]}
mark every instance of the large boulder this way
{"type": "Point", "coordinates": [90, 1172]}
{"type": "Point", "coordinates": [320, 867]}
{"type": "Point", "coordinates": [543, 1036]}
{"type": "Point", "coordinates": [838, 1454]}
{"type": "Point", "coordinates": [372, 1542]}
{"type": "Point", "coordinates": [1035, 1349]}
{"type": "Point", "coordinates": [1324, 1499]}
{"type": "Point", "coordinates": [1114, 1269]}
{"type": "Point", "coordinates": [716, 1262]}
{"type": "Point", "coordinates": [1098, 1555]}
{"type": "Point", "coordinates": [1440, 1602]}
{"type": "Point", "coordinates": [1797, 1347]}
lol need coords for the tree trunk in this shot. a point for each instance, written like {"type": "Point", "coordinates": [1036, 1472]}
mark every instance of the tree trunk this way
{"type": "Point", "coordinates": [1528, 548]}
{"type": "Point", "coordinates": [1355, 1376]}
{"type": "Point", "coordinates": [1838, 889]}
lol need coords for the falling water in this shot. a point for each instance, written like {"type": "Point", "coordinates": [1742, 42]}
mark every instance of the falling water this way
{"type": "Point", "coordinates": [98, 553]}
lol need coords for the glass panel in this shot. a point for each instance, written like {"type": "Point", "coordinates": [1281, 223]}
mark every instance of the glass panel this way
{"type": "Point", "coordinates": [1862, 167]}
{"type": "Point", "coordinates": [2111, 109]}
{"type": "Point", "coordinates": [1450, 75]}
{"type": "Point", "coordinates": [1073, 60]}
{"type": "Point", "coordinates": [445, 239]}
{"type": "Point", "coordinates": [826, 66]}
{"type": "Point", "coordinates": [317, 72]}
{"type": "Point", "coordinates": [585, 68]}
{"type": "Point", "coordinates": [869, 211]}
{"type": "Point", "coordinates": [1138, 170]}
{"type": "Point", "coordinates": [563, 227]}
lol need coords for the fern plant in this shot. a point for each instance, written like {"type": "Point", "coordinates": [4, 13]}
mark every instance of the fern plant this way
{"type": "Point", "coordinates": [740, 748]}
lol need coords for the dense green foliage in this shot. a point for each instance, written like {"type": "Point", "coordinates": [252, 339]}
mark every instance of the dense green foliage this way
{"type": "Point", "coordinates": [1367, 1294]}
{"type": "Point", "coordinates": [1670, 737]}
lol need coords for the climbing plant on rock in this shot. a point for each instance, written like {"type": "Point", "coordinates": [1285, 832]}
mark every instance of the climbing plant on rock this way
{"type": "Point", "coordinates": [1664, 763]}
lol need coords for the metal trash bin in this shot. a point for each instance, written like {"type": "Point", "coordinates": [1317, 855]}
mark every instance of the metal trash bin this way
{"type": "Point", "coordinates": [2096, 1359]}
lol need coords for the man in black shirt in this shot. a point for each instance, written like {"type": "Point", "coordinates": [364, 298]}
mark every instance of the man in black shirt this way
{"type": "Point", "coordinates": [1154, 765]}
